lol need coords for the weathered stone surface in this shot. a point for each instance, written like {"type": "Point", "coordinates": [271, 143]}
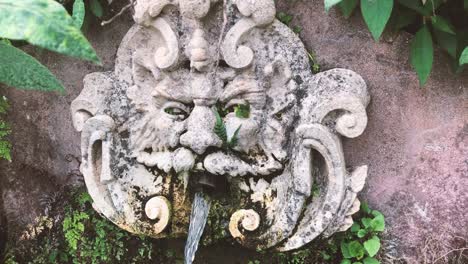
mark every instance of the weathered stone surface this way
{"type": "Point", "coordinates": [415, 143]}
{"type": "Point", "coordinates": [152, 131]}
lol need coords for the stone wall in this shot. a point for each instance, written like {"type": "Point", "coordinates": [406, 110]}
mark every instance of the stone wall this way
{"type": "Point", "coordinates": [416, 142]}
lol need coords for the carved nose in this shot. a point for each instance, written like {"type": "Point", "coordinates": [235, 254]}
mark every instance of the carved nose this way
{"type": "Point", "coordinates": [200, 134]}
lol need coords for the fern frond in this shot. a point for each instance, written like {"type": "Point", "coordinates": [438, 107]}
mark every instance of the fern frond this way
{"type": "Point", "coordinates": [220, 127]}
{"type": "Point", "coordinates": [235, 138]}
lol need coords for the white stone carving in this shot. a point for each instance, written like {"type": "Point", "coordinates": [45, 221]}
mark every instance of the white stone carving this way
{"type": "Point", "coordinates": [151, 135]}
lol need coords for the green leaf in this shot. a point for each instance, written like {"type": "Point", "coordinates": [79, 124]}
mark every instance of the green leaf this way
{"type": "Point", "coordinates": [464, 56]}
{"type": "Point", "coordinates": [422, 54]}
{"type": "Point", "coordinates": [446, 41]}
{"type": "Point", "coordinates": [372, 246]}
{"type": "Point", "coordinates": [242, 110]}
{"type": "Point", "coordinates": [355, 227]}
{"type": "Point", "coordinates": [365, 208]}
{"type": "Point", "coordinates": [347, 7]}
{"type": "Point", "coordinates": [284, 18]}
{"type": "Point", "coordinates": [345, 250]}
{"type": "Point", "coordinates": [330, 3]}
{"type": "Point", "coordinates": [376, 14]}
{"type": "Point", "coordinates": [78, 13]}
{"type": "Point", "coordinates": [366, 222]}
{"type": "Point", "coordinates": [235, 138]}
{"type": "Point", "coordinates": [20, 70]}
{"type": "Point", "coordinates": [356, 250]}
{"type": "Point", "coordinates": [96, 8]}
{"type": "Point", "coordinates": [415, 5]}
{"type": "Point", "coordinates": [345, 261]}
{"type": "Point", "coordinates": [441, 24]}
{"type": "Point", "coordinates": [44, 23]}
{"type": "Point", "coordinates": [370, 260]}
{"type": "Point", "coordinates": [362, 233]}
{"type": "Point", "coordinates": [403, 17]}
{"type": "Point", "coordinates": [378, 223]}
{"type": "Point", "coordinates": [220, 128]}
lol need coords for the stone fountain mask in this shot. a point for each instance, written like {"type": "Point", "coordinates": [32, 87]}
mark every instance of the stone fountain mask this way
{"type": "Point", "coordinates": [220, 90]}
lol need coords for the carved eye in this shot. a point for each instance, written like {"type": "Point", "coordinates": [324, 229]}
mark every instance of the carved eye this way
{"type": "Point", "coordinates": [176, 110]}
{"type": "Point", "coordinates": [240, 109]}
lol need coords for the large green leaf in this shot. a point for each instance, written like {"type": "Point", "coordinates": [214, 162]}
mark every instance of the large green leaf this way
{"type": "Point", "coordinates": [78, 13]}
{"type": "Point", "coordinates": [372, 246]}
{"type": "Point", "coordinates": [443, 25]}
{"type": "Point", "coordinates": [422, 54]}
{"type": "Point", "coordinates": [20, 70]}
{"type": "Point", "coordinates": [376, 14]}
{"type": "Point", "coordinates": [446, 41]}
{"type": "Point", "coordinates": [330, 3]}
{"type": "Point", "coordinates": [464, 56]}
{"type": "Point", "coordinates": [347, 7]}
{"type": "Point", "coordinates": [44, 23]}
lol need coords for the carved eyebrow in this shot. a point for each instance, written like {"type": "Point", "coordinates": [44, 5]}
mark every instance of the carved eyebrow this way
{"type": "Point", "coordinates": [170, 91]}
{"type": "Point", "coordinates": [236, 89]}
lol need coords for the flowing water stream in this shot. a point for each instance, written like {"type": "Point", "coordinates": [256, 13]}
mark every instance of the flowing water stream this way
{"type": "Point", "coordinates": [200, 210]}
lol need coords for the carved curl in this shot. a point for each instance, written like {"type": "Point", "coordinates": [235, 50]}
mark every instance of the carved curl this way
{"type": "Point", "coordinates": [256, 13]}
{"type": "Point", "coordinates": [158, 208]}
{"type": "Point", "coordinates": [246, 219]}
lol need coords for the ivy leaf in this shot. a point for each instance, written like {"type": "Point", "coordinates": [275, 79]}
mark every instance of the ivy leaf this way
{"type": "Point", "coordinates": [422, 54]}
{"type": "Point", "coordinates": [347, 7]}
{"type": "Point", "coordinates": [345, 250]}
{"type": "Point", "coordinates": [441, 24]}
{"type": "Point", "coordinates": [330, 3]}
{"type": "Point", "coordinates": [372, 246]}
{"type": "Point", "coordinates": [361, 233]}
{"type": "Point", "coordinates": [220, 128]}
{"type": "Point", "coordinates": [96, 8]}
{"type": "Point", "coordinates": [370, 260]}
{"type": "Point", "coordinates": [366, 222]}
{"type": "Point", "coordinates": [355, 227]}
{"type": "Point", "coordinates": [376, 14]}
{"type": "Point", "coordinates": [356, 250]}
{"type": "Point", "coordinates": [44, 23]}
{"type": "Point", "coordinates": [464, 56]}
{"type": "Point", "coordinates": [20, 70]}
{"type": "Point", "coordinates": [378, 223]}
{"type": "Point", "coordinates": [78, 13]}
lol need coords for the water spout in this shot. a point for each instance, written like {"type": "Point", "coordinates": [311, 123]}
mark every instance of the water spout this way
{"type": "Point", "coordinates": [200, 210]}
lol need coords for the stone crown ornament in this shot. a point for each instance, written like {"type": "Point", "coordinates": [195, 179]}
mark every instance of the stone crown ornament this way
{"type": "Point", "coordinates": [218, 96]}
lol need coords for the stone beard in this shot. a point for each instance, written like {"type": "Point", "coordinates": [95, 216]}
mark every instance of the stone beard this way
{"type": "Point", "coordinates": [220, 96]}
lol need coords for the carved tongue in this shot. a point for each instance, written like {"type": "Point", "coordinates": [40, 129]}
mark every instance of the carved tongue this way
{"type": "Point", "coordinates": [221, 163]}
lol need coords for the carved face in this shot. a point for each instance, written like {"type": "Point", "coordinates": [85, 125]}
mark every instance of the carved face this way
{"type": "Point", "coordinates": [197, 91]}
{"type": "Point", "coordinates": [191, 121]}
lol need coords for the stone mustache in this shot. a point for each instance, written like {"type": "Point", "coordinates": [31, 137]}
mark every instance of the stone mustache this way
{"type": "Point", "coordinates": [212, 93]}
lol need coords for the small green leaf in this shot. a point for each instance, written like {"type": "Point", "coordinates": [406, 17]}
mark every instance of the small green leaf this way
{"type": "Point", "coordinates": [44, 23]}
{"type": "Point", "coordinates": [441, 24]}
{"type": "Point", "coordinates": [330, 3]}
{"type": "Point", "coordinates": [235, 138]}
{"type": "Point", "coordinates": [78, 13]}
{"type": "Point", "coordinates": [465, 4]}
{"type": "Point", "coordinates": [356, 250]}
{"type": "Point", "coordinates": [220, 128]}
{"type": "Point", "coordinates": [345, 250]}
{"type": "Point", "coordinates": [464, 56]}
{"type": "Point", "coordinates": [372, 246]}
{"type": "Point", "coordinates": [362, 233]}
{"type": "Point", "coordinates": [20, 70]}
{"type": "Point", "coordinates": [370, 260]}
{"type": "Point", "coordinates": [378, 223]}
{"type": "Point", "coordinates": [366, 222]}
{"type": "Point", "coordinates": [355, 227]}
{"type": "Point", "coordinates": [376, 14]}
{"type": "Point", "coordinates": [96, 8]}
{"type": "Point", "coordinates": [347, 7]}
{"type": "Point", "coordinates": [446, 41]}
{"type": "Point", "coordinates": [345, 261]}
{"type": "Point", "coordinates": [284, 18]}
{"type": "Point", "coordinates": [422, 54]}
{"type": "Point", "coordinates": [242, 110]}
{"type": "Point", "coordinates": [365, 208]}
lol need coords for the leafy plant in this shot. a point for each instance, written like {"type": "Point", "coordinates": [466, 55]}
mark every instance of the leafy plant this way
{"type": "Point", "coordinates": [46, 24]}
{"type": "Point", "coordinates": [440, 22]}
{"type": "Point", "coordinates": [220, 131]}
{"type": "Point", "coordinates": [4, 131]}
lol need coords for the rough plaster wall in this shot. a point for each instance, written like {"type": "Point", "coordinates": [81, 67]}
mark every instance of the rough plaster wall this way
{"type": "Point", "coordinates": [416, 142]}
